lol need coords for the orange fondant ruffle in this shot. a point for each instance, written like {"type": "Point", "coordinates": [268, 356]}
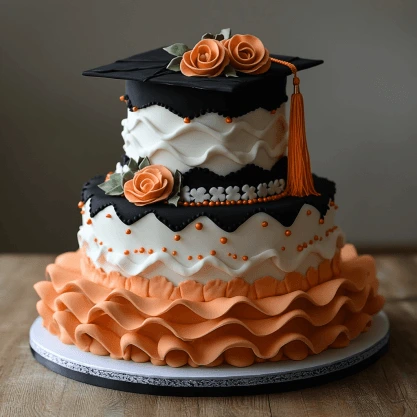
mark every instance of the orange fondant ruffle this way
{"type": "Point", "coordinates": [134, 324]}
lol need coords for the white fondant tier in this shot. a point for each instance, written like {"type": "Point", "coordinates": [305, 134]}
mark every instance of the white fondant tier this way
{"type": "Point", "coordinates": [148, 248]}
{"type": "Point", "coordinates": [258, 137]}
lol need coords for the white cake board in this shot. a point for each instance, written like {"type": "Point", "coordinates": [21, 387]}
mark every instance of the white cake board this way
{"type": "Point", "coordinates": [224, 380]}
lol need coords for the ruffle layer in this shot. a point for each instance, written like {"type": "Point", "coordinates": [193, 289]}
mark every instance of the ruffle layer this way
{"type": "Point", "coordinates": [160, 287]}
{"type": "Point", "coordinates": [132, 324]}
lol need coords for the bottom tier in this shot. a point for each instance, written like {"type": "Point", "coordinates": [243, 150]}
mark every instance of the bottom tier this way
{"type": "Point", "coordinates": [269, 320]}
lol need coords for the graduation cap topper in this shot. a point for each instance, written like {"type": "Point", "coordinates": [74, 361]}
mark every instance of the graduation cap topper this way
{"type": "Point", "coordinates": [231, 75]}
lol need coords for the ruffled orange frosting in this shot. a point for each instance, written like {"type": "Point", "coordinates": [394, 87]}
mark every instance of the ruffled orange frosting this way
{"type": "Point", "coordinates": [138, 324]}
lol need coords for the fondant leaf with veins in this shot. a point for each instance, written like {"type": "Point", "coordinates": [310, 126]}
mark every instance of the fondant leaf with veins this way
{"type": "Point", "coordinates": [174, 64]}
{"type": "Point", "coordinates": [229, 71]}
{"type": "Point", "coordinates": [223, 35]}
{"type": "Point", "coordinates": [144, 163]}
{"type": "Point", "coordinates": [176, 189]}
{"type": "Point", "coordinates": [177, 49]}
{"type": "Point", "coordinates": [114, 186]}
{"type": "Point", "coordinates": [133, 165]}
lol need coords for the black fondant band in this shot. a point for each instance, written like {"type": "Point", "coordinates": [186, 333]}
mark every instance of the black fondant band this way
{"type": "Point", "coordinates": [250, 174]}
{"type": "Point", "coordinates": [228, 218]}
{"type": "Point", "coordinates": [193, 102]}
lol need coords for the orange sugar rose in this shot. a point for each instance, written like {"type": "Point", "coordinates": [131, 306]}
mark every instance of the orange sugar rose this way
{"type": "Point", "coordinates": [247, 54]}
{"type": "Point", "coordinates": [207, 59]}
{"type": "Point", "coordinates": [149, 185]}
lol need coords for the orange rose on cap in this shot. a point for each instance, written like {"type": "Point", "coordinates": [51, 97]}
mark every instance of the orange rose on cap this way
{"type": "Point", "coordinates": [207, 59]}
{"type": "Point", "coordinates": [247, 54]}
{"type": "Point", "coordinates": [149, 185]}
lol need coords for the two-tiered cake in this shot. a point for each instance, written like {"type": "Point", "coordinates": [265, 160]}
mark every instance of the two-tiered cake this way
{"type": "Point", "coordinates": [207, 244]}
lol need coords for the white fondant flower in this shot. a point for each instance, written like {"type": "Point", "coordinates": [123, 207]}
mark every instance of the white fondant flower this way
{"type": "Point", "coordinates": [125, 168]}
{"type": "Point", "coordinates": [199, 194]}
{"type": "Point", "coordinates": [250, 192]}
{"type": "Point", "coordinates": [119, 168]}
{"type": "Point", "coordinates": [217, 194]}
{"type": "Point", "coordinates": [233, 193]}
{"type": "Point", "coordinates": [262, 190]}
{"type": "Point", "coordinates": [185, 193]}
{"type": "Point", "coordinates": [276, 187]}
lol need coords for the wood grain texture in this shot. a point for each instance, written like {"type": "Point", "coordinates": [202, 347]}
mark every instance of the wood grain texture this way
{"type": "Point", "coordinates": [387, 388]}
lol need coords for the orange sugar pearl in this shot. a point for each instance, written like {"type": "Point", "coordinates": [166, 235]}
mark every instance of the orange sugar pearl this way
{"type": "Point", "coordinates": [228, 120]}
{"type": "Point", "coordinates": [321, 238]}
{"type": "Point", "coordinates": [122, 98]}
{"type": "Point", "coordinates": [142, 250]}
{"type": "Point", "coordinates": [110, 249]}
{"type": "Point", "coordinates": [190, 257]}
{"type": "Point", "coordinates": [89, 221]}
{"type": "Point", "coordinates": [82, 212]}
{"type": "Point", "coordinates": [95, 239]}
{"type": "Point", "coordinates": [174, 252]}
{"type": "Point", "coordinates": [331, 203]}
{"type": "Point", "coordinates": [321, 221]}
{"type": "Point", "coordinates": [234, 256]}
{"type": "Point", "coordinates": [108, 216]}
{"type": "Point", "coordinates": [150, 251]}
{"type": "Point", "coordinates": [198, 226]}
{"type": "Point", "coordinates": [316, 237]}
{"type": "Point", "coordinates": [128, 231]}
{"type": "Point", "coordinates": [213, 252]}
{"type": "Point", "coordinates": [245, 258]}
{"type": "Point", "coordinates": [212, 203]}
{"type": "Point", "coordinates": [308, 212]}
{"type": "Point", "coordinates": [264, 224]}
{"type": "Point", "coordinates": [223, 240]}
{"type": "Point", "coordinates": [229, 254]}
{"type": "Point", "coordinates": [80, 204]}
{"type": "Point", "coordinates": [126, 252]}
{"type": "Point", "coordinates": [177, 237]}
{"type": "Point", "coordinates": [305, 245]}
{"type": "Point", "coordinates": [300, 248]}
{"type": "Point", "coordinates": [273, 111]}
{"type": "Point", "coordinates": [135, 251]}
{"type": "Point", "coordinates": [164, 249]}
{"type": "Point", "coordinates": [200, 256]}
{"type": "Point", "coordinates": [288, 233]}
{"type": "Point", "coordinates": [283, 248]}
{"type": "Point", "coordinates": [187, 120]}
{"type": "Point", "coordinates": [101, 243]}
{"type": "Point", "coordinates": [310, 242]}
{"type": "Point", "coordinates": [134, 108]}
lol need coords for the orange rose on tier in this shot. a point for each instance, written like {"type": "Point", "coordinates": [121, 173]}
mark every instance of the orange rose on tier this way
{"type": "Point", "coordinates": [149, 185]}
{"type": "Point", "coordinates": [247, 54]}
{"type": "Point", "coordinates": [207, 59]}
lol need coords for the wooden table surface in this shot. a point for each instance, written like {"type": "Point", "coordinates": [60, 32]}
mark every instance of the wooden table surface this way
{"type": "Point", "coordinates": [386, 388]}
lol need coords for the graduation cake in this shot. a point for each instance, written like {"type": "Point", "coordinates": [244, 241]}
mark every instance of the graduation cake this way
{"type": "Point", "coordinates": [211, 241]}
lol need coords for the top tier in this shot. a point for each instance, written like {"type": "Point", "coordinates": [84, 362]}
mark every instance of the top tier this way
{"type": "Point", "coordinates": [150, 82]}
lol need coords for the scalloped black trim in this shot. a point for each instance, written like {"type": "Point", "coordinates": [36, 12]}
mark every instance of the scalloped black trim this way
{"type": "Point", "coordinates": [250, 174]}
{"type": "Point", "coordinates": [228, 218]}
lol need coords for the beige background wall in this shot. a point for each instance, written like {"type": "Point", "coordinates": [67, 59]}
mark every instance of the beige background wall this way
{"type": "Point", "coordinates": [58, 128]}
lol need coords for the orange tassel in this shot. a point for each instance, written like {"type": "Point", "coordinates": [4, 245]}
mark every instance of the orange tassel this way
{"type": "Point", "coordinates": [299, 177]}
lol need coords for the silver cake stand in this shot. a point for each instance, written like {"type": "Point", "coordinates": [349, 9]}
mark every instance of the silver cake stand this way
{"type": "Point", "coordinates": [225, 380]}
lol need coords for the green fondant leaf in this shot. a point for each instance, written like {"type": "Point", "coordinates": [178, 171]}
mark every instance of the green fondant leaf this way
{"type": "Point", "coordinates": [174, 64]}
{"type": "Point", "coordinates": [208, 36]}
{"type": "Point", "coordinates": [114, 186]}
{"type": "Point", "coordinates": [177, 49]}
{"type": "Point", "coordinates": [174, 197]}
{"type": "Point", "coordinates": [224, 34]}
{"type": "Point", "coordinates": [229, 71]}
{"type": "Point", "coordinates": [128, 175]}
{"type": "Point", "coordinates": [144, 163]}
{"type": "Point", "coordinates": [133, 165]}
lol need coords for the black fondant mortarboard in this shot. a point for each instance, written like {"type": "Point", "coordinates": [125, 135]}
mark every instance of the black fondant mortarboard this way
{"type": "Point", "coordinates": [149, 82]}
